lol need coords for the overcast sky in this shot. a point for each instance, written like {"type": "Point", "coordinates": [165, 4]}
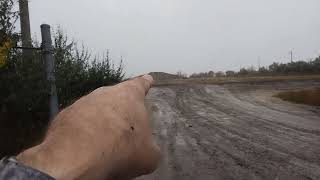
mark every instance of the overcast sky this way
{"type": "Point", "coordinates": [188, 35]}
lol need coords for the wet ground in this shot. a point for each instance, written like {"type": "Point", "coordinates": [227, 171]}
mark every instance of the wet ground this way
{"type": "Point", "coordinates": [235, 131]}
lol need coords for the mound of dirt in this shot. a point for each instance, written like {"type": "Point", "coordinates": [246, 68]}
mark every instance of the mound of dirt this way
{"type": "Point", "coordinates": [163, 76]}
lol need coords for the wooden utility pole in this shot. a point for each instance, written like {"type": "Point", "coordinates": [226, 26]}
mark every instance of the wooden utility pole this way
{"type": "Point", "coordinates": [47, 51]}
{"type": "Point", "coordinates": [25, 23]}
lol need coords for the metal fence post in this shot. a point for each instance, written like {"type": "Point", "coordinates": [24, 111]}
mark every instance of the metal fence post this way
{"type": "Point", "coordinates": [47, 51]}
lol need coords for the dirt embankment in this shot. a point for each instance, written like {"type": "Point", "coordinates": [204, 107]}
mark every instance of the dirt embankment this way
{"type": "Point", "coordinates": [235, 131]}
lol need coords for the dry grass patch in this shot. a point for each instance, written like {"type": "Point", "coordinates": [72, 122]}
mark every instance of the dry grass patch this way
{"type": "Point", "coordinates": [309, 97]}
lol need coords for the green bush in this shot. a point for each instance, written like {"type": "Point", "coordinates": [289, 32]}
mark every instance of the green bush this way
{"type": "Point", "coordinates": [24, 91]}
{"type": "Point", "coordinates": [77, 73]}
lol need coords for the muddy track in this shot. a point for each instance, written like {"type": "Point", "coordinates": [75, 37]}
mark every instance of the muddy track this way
{"type": "Point", "coordinates": [234, 131]}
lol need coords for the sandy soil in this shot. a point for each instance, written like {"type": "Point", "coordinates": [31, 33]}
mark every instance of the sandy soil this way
{"type": "Point", "coordinates": [234, 131]}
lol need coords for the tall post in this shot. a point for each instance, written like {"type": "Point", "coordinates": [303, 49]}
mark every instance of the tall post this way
{"type": "Point", "coordinates": [47, 50]}
{"type": "Point", "coordinates": [25, 24]}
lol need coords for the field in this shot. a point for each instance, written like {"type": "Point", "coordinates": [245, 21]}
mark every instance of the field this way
{"type": "Point", "coordinates": [307, 96]}
{"type": "Point", "coordinates": [219, 129]}
{"type": "Point", "coordinates": [163, 81]}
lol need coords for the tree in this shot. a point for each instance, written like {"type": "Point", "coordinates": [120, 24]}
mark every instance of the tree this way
{"type": "Point", "coordinates": [220, 74]}
{"type": "Point", "coordinates": [230, 73]}
{"type": "Point", "coordinates": [243, 72]}
{"type": "Point", "coordinates": [180, 74]}
{"type": "Point", "coordinates": [203, 75]}
{"type": "Point", "coordinates": [263, 70]}
{"type": "Point", "coordinates": [24, 92]}
{"type": "Point", "coordinates": [211, 74]}
{"type": "Point", "coordinates": [8, 17]}
{"type": "Point", "coordinates": [316, 65]}
{"type": "Point", "coordinates": [77, 73]}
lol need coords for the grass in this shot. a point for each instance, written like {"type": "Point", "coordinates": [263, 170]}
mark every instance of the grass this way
{"type": "Point", "coordinates": [242, 79]}
{"type": "Point", "coordinates": [309, 97]}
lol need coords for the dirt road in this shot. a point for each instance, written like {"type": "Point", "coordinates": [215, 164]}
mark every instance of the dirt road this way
{"type": "Point", "coordinates": [234, 131]}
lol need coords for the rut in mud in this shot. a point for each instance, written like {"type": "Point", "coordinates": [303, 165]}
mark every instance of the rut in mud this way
{"type": "Point", "coordinates": [234, 131]}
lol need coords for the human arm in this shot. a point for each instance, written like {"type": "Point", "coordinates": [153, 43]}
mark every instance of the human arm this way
{"type": "Point", "coordinates": [104, 135]}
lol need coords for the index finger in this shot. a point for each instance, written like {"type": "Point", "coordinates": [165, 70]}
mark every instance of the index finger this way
{"type": "Point", "coordinates": [141, 84]}
{"type": "Point", "coordinates": [146, 81]}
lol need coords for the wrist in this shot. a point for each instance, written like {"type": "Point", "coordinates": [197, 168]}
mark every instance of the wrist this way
{"type": "Point", "coordinates": [62, 164]}
{"type": "Point", "coordinates": [42, 160]}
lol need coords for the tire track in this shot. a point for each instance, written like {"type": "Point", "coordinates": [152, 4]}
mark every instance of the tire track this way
{"type": "Point", "coordinates": [230, 132]}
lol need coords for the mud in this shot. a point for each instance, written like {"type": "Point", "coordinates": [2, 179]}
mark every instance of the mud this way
{"type": "Point", "coordinates": [234, 131]}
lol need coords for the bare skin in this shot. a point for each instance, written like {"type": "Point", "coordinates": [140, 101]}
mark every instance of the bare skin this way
{"type": "Point", "coordinates": [104, 135]}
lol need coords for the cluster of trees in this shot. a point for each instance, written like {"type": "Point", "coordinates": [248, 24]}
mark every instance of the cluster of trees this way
{"type": "Point", "coordinates": [24, 90]}
{"type": "Point", "coordinates": [208, 74]}
{"type": "Point", "coordinates": [203, 75]}
{"type": "Point", "coordinates": [292, 68]}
